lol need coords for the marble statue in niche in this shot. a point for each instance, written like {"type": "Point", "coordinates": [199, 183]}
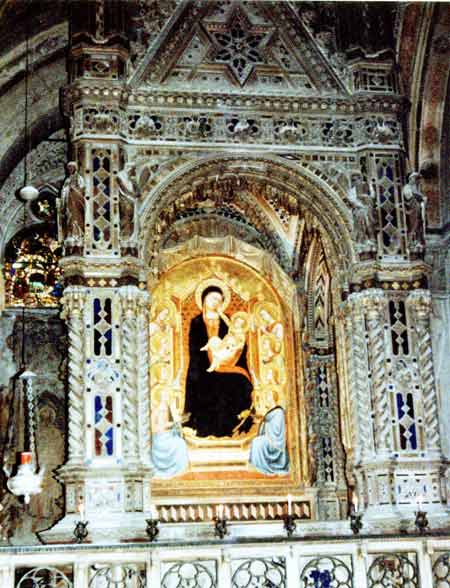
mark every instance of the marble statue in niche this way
{"type": "Point", "coordinates": [415, 211]}
{"type": "Point", "coordinates": [70, 207]}
{"type": "Point", "coordinates": [128, 194]}
{"type": "Point", "coordinates": [362, 199]}
{"type": "Point", "coordinates": [218, 391]}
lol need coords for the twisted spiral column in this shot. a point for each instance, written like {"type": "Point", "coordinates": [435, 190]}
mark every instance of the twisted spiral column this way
{"type": "Point", "coordinates": [345, 324]}
{"type": "Point", "coordinates": [73, 304]}
{"type": "Point", "coordinates": [129, 296]}
{"type": "Point", "coordinates": [142, 377]}
{"type": "Point", "coordinates": [359, 369]}
{"type": "Point", "coordinates": [420, 304]}
{"type": "Point", "coordinates": [374, 303]}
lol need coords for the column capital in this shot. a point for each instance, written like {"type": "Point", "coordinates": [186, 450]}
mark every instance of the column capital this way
{"type": "Point", "coordinates": [133, 299]}
{"type": "Point", "coordinates": [421, 301]}
{"type": "Point", "coordinates": [373, 301]}
{"type": "Point", "coordinates": [73, 301]}
{"type": "Point", "coordinates": [370, 301]}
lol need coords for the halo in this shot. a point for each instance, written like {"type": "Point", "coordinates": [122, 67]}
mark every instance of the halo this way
{"type": "Point", "coordinates": [218, 284]}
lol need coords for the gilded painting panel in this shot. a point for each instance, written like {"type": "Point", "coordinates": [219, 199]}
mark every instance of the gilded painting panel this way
{"type": "Point", "coordinates": [222, 381]}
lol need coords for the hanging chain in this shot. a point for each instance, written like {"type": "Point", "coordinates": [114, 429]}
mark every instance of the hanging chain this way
{"type": "Point", "coordinates": [27, 378]}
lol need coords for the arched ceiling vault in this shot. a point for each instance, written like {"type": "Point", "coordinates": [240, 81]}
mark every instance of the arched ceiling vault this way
{"type": "Point", "coordinates": [423, 52]}
{"type": "Point", "coordinates": [314, 200]}
{"type": "Point", "coordinates": [47, 75]}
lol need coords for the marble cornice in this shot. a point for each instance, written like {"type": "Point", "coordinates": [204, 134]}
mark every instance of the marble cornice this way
{"type": "Point", "coordinates": [395, 271]}
{"type": "Point", "coordinates": [97, 91]}
{"type": "Point", "coordinates": [91, 271]}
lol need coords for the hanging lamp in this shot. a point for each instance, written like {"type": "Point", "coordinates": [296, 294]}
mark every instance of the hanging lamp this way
{"type": "Point", "coordinates": [28, 480]}
{"type": "Point", "coordinates": [27, 192]}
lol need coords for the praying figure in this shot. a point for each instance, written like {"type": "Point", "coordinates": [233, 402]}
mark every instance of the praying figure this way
{"type": "Point", "coordinates": [169, 452]}
{"type": "Point", "coordinates": [268, 451]}
{"type": "Point", "coordinates": [70, 207]}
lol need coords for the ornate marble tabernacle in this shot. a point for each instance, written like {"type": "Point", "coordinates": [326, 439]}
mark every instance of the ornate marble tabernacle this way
{"type": "Point", "coordinates": [289, 205]}
{"type": "Point", "coordinates": [245, 277]}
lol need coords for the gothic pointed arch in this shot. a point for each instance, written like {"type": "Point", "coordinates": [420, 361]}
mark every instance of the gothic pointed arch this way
{"type": "Point", "coordinates": [266, 191]}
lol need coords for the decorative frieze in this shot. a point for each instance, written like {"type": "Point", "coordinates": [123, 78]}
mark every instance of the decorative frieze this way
{"type": "Point", "coordinates": [239, 511]}
{"type": "Point", "coordinates": [165, 126]}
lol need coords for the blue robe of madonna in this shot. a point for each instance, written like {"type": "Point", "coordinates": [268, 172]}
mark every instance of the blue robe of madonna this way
{"type": "Point", "coordinates": [169, 453]}
{"type": "Point", "coordinates": [268, 451]}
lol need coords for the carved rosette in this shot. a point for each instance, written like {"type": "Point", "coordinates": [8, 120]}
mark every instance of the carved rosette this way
{"type": "Point", "coordinates": [374, 304]}
{"type": "Point", "coordinates": [360, 389]}
{"type": "Point", "coordinates": [73, 307]}
{"type": "Point", "coordinates": [129, 296]}
{"type": "Point", "coordinates": [419, 303]}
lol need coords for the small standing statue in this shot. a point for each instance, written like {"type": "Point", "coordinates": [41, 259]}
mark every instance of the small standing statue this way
{"type": "Point", "coordinates": [128, 190]}
{"type": "Point", "coordinates": [415, 207]}
{"type": "Point", "coordinates": [362, 198]}
{"type": "Point", "coordinates": [70, 208]}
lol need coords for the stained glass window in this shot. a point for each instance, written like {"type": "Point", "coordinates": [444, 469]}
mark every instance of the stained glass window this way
{"type": "Point", "coordinates": [32, 275]}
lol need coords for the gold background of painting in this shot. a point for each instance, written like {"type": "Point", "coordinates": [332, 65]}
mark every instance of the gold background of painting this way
{"type": "Point", "coordinates": [249, 289]}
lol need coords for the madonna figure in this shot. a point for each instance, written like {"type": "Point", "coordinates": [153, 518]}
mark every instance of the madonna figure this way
{"type": "Point", "coordinates": [218, 395]}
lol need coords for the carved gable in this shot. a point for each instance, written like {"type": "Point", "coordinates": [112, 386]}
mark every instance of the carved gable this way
{"type": "Point", "coordinates": [258, 47]}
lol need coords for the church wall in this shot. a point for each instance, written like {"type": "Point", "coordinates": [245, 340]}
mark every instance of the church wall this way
{"type": "Point", "coordinates": [440, 325]}
{"type": "Point", "coordinates": [45, 355]}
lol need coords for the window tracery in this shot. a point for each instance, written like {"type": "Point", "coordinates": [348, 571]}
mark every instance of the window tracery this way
{"type": "Point", "coordinates": [260, 572]}
{"type": "Point", "coordinates": [394, 569]}
{"type": "Point", "coordinates": [32, 274]}
{"type": "Point", "coordinates": [324, 572]}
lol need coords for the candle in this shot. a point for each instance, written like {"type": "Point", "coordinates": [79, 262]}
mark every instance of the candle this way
{"type": "Point", "coordinates": [25, 457]}
{"type": "Point", "coordinates": [355, 503]}
{"type": "Point", "coordinates": [419, 502]}
{"type": "Point", "coordinates": [289, 501]}
{"type": "Point", "coordinates": [81, 510]}
{"type": "Point", "coordinates": [219, 511]}
{"type": "Point", "coordinates": [153, 512]}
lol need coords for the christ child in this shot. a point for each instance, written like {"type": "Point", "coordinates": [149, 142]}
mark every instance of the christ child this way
{"type": "Point", "coordinates": [225, 352]}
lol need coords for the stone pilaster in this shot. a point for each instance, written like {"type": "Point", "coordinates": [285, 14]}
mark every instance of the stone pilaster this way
{"type": "Point", "coordinates": [143, 395]}
{"type": "Point", "coordinates": [130, 369]}
{"type": "Point", "coordinates": [374, 303]}
{"type": "Point", "coordinates": [387, 401]}
{"type": "Point", "coordinates": [358, 370]}
{"type": "Point", "coordinates": [419, 302]}
{"type": "Point", "coordinates": [73, 309]}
